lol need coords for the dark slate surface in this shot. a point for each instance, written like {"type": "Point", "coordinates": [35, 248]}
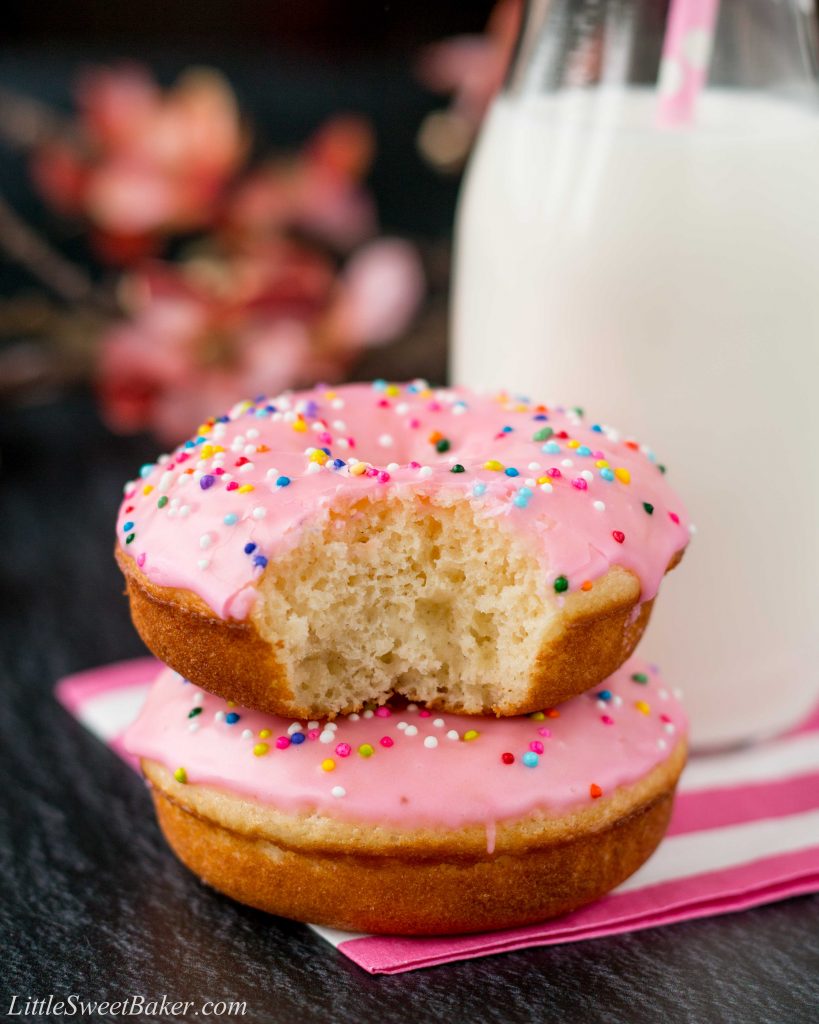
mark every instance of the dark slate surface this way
{"type": "Point", "coordinates": [93, 902]}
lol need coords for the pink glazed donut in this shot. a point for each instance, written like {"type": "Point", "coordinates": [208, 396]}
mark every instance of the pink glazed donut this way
{"type": "Point", "coordinates": [484, 555]}
{"type": "Point", "coordinates": [407, 821]}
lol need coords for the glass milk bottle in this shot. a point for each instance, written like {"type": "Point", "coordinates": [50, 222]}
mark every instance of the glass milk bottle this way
{"type": "Point", "coordinates": [638, 233]}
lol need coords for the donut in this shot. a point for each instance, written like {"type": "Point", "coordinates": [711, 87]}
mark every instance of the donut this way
{"type": "Point", "coordinates": [404, 820]}
{"type": "Point", "coordinates": [479, 554]}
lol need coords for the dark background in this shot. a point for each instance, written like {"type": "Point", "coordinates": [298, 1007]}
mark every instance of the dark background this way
{"type": "Point", "coordinates": [92, 901]}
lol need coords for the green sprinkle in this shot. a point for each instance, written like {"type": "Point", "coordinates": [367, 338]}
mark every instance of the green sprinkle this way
{"type": "Point", "coordinates": [561, 584]}
{"type": "Point", "coordinates": [648, 507]}
{"type": "Point", "coordinates": [442, 446]}
{"type": "Point", "coordinates": [661, 468]}
{"type": "Point", "coordinates": [457, 468]}
{"type": "Point", "coordinates": [163, 501]}
{"type": "Point", "coordinates": [194, 712]}
{"type": "Point", "coordinates": [129, 538]}
{"type": "Point", "coordinates": [543, 434]}
{"type": "Point", "coordinates": [640, 677]}
{"type": "Point", "coordinates": [181, 775]}
{"type": "Point", "coordinates": [578, 409]}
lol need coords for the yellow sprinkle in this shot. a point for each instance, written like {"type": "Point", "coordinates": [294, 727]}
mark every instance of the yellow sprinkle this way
{"type": "Point", "coordinates": [147, 488]}
{"type": "Point", "coordinates": [544, 479]}
{"type": "Point", "coordinates": [366, 750]}
{"type": "Point", "coordinates": [642, 707]}
{"type": "Point", "coordinates": [319, 456]}
{"type": "Point", "coordinates": [330, 394]}
{"type": "Point", "coordinates": [231, 703]}
{"type": "Point", "coordinates": [494, 465]}
{"type": "Point", "coordinates": [328, 764]}
{"type": "Point", "coordinates": [471, 734]}
{"type": "Point", "coordinates": [602, 464]}
{"type": "Point", "coordinates": [572, 444]}
{"type": "Point", "coordinates": [522, 407]}
{"type": "Point", "coordinates": [426, 393]}
{"type": "Point", "coordinates": [393, 390]}
{"type": "Point", "coordinates": [180, 775]}
{"type": "Point", "coordinates": [358, 469]}
{"type": "Point", "coordinates": [206, 451]}
{"type": "Point", "coordinates": [260, 749]}
{"type": "Point", "coordinates": [623, 475]}
{"type": "Point", "coordinates": [245, 488]}
{"type": "Point", "coordinates": [537, 716]}
{"type": "Point", "coordinates": [299, 425]}
{"type": "Point", "coordinates": [264, 734]}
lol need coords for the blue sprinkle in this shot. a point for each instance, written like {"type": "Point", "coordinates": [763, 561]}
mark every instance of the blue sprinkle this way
{"type": "Point", "coordinates": [607, 474]}
{"type": "Point", "coordinates": [597, 428]}
{"type": "Point", "coordinates": [230, 519]}
{"type": "Point", "coordinates": [127, 526]}
{"type": "Point", "coordinates": [604, 695]}
{"type": "Point", "coordinates": [525, 492]}
{"type": "Point", "coordinates": [339, 463]}
{"type": "Point", "coordinates": [551, 448]}
{"type": "Point", "coordinates": [326, 451]}
{"type": "Point", "coordinates": [379, 385]}
{"type": "Point", "coordinates": [146, 469]}
{"type": "Point", "coordinates": [530, 759]}
{"type": "Point", "coordinates": [259, 561]}
{"type": "Point", "coordinates": [260, 398]}
{"type": "Point", "coordinates": [540, 416]}
{"type": "Point", "coordinates": [584, 450]}
{"type": "Point", "coordinates": [270, 408]}
{"type": "Point", "coordinates": [231, 718]}
{"type": "Point", "coordinates": [520, 501]}
{"type": "Point", "coordinates": [207, 481]}
{"type": "Point", "coordinates": [297, 738]}
{"type": "Point", "coordinates": [507, 430]}
{"type": "Point", "coordinates": [250, 547]}
{"type": "Point", "coordinates": [223, 419]}
{"type": "Point", "coordinates": [262, 412]}
{"type": "Point", "coordinates": [479, 489]}
{"type": "Point", "coordinates": [189, 444]}
{"type": "Point", "coordinates": [282, 481]}
{"type": "Point", "coordinates": [511, 471]}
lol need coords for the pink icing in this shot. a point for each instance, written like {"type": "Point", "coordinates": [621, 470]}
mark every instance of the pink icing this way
{"type": "Point", "coordinates": [606, 741]}
{"type": "Point", "coordinates": [578, 523]}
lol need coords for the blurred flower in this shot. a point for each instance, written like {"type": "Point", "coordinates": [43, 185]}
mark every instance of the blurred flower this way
{"type": "Point", "coordinates": [140, 162]}
{"type": "Point", "coordinates": [471, 69]}
{"type": "Point", "coordinates": [217, 328]}
{"type": "Point", "coordinates": [317, 192]}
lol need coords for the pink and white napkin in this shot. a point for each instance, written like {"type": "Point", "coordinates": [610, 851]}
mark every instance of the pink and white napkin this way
{"type": "Point", "coordinates": [745, 831]}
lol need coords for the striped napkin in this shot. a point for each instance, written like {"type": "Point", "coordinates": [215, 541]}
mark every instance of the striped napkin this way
{"type": "Point", "coordinates": [745, 831]}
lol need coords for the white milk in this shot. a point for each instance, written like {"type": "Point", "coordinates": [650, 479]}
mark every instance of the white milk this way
{"type": "Point", "coordinates": [669, 283]}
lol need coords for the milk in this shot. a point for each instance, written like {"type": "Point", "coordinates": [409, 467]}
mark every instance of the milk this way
{"type": "Point", "coordinates": [669, 283]}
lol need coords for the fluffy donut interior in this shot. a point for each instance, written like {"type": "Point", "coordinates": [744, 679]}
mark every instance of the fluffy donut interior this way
{"type": "Point", "coordinates": [406, 596]}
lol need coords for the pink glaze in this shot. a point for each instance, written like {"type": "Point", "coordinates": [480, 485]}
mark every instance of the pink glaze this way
{"type": "Point", "coordinates": [454, 783]}
{"type": "Point", "coordinates": [188, 543]}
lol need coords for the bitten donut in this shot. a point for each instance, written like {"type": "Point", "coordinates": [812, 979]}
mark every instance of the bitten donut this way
{"type": "Point", "coordinates": [406, 821]}
{"type": "Point", "coordinates": [484, 555]}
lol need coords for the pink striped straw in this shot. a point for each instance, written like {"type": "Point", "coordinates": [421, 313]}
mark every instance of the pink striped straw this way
{"type": "Point", "coordinates": [689, 35]}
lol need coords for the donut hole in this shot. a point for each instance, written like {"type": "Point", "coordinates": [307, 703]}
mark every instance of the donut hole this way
{"type": "Point", "coordinates": [409, 596]}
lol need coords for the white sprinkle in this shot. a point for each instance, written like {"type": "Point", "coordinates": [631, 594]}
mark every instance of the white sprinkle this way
{"type": "Point", "coordinates": [601, 705]}
{"type": "Point", "coordinates": [566, 462]}
{"type": "Point", "coordinates": [411, 730]}
{"type": "Point", "coordinates": [453, 735]}
{"type": "Point", "coordinates": [392, 466]}
{"type": "Point", "coordinates": [294, 727]}
{"type": "Point", "coordinates": [193, 727]}
{"type": "Point", "coordinates": [425, 471]}
{"type": "Point", "coordinates": [331, 726]}
{"type": "Point", "coordinates": [367, 714]}
{"type": "Point", "coordinates": [312, 724]}
{"type": "Point", "coordinates": [661, 744]}
{"type": "Point", "coordinates": [662, 694]}
{"type": "Point", "coordinates": [247, 734]}
{"type": "Point", "coordinates": [438, 723]}
{"type": "Point", "coordinates": [185, 511]}
{"type": "Point", "coordinates": [402, 408]}
{"type": "Point", "coordinates": [692, 529]}
{"type": "Point", "coordinates": [353, 717]}
{"type": "Point", "coordinates": [546, 488]}
{"type": "Point", "coordinates": [326, 736]}
{"type": "Point", "coordinates": [587, 475]}
{"type": "Point", "coordinates": [530, 481]}
{"type": "Point", "coordinates": [259, 512]}
{"type": "Point", "coordinates": [162, 459]}
{"type": "Point", "coordinates": [219, 716]}
{"type": "Point", "coordinates": [339, 425]}
{"type": "Point", "coordinates": [617, 700]}
{"type": "Point", "coordinates": [338, 791]}
{"type": "Point", "coordinates": [412, 707]}
{"type": "Point", "coordinates": [313, 467]}
{"type": "Point", "coordinates": [253, 433]}
{"type": "Point", "coordinates": [599, 506]}
{"type": "Point", "coordinates": [248, 467]}
{"type": "Point", "coordinates": [250, 449]}
{"type": "Point", "coordinates": [272, 473]}
{"type": "Point", "coordinates": [342, 442]}
{"type": "Point", "coordinates": [165, 481]}
{"type": "Point", "coordinates": [337, 403]}
{"type": "Point", "coordinates": [197, 475]}
{"type": "Point", "coordinates": [430, 742]}
{"type": "Point", "coordinates": [203, 563]}
{"type": "Point", "coordinates": [670, 728]}
{"type": "Point", "coordinates": [198, 697]}
{"type": "Point", "coordinates": [677, 693]}
{"type": "Point", "coordinates": [385, 440]}
{"type": "Point", "coordinates": [402, 726]}
{"type": "Point", "coordinates": [205, 541]}
{"type": "Point", "coordinates": [533, 466]}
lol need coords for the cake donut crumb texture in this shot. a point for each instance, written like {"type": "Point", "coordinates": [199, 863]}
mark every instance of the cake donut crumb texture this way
{"type": "Point", "coordinates": [405, 821]}
{"type": "Point", "coordinates": [482, 554]}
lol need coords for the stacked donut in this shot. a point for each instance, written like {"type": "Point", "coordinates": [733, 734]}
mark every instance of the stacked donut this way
{"type": "Point", "coordinates": [398, 624]}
